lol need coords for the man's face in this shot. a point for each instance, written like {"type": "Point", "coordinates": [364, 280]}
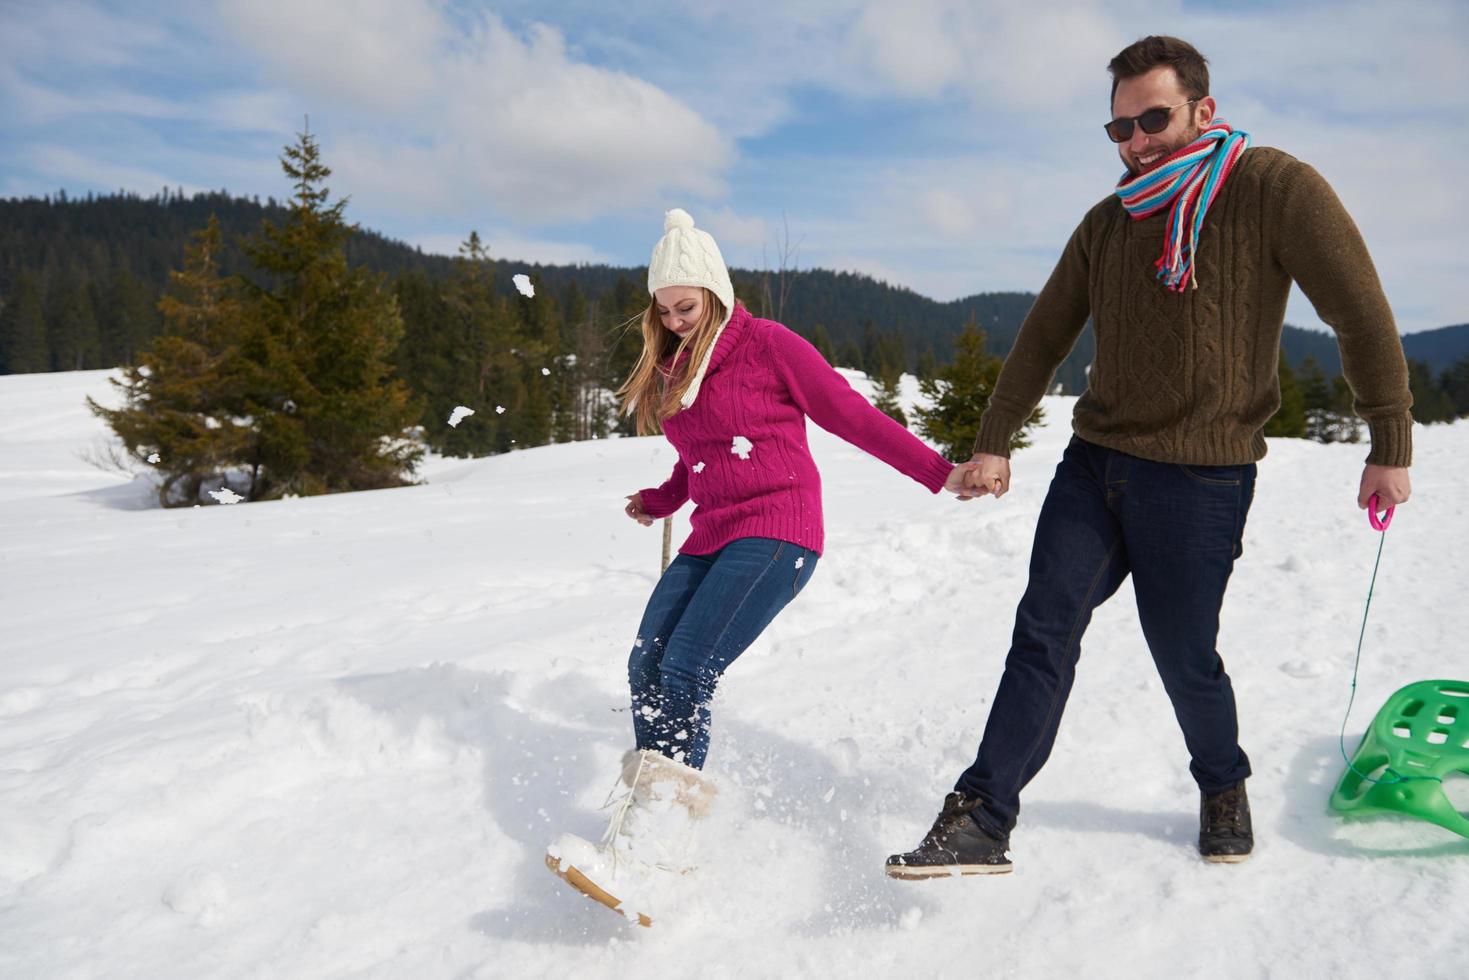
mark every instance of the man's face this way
{"type": "Point", "coordinates": [1157, 89]}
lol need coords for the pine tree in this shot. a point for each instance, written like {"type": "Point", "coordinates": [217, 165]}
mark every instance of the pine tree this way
{"type": "Point", "coordinates": [886, 397]}
{"type": "Point", "coordinates": [333, 418]}
{"type": "Point", "coordinates": [186, 397]}
{"type": "Point", "coordinates": [424, 353]}
{"type": "Point", "coordinates": [1345, 426]}
{"type": "Point", "coordinates": [821, 339]}
{"type": "Point", "coordinates": [958, 396]}
{"type": "Point", "coordinates": [1317, 402]}
{"type": "Point", "coordinates": [928, 365]}
{"type": "Point", "coordinates": [623, 307]}
{"type": "Point", "coordinates": [1430, 402]}
{"type": "Point", "coordinates": [23, 328]}
{"type": "Point", "coordinates": [129, 317]}
{"type": "Point", "coordinates": [479, 364]}
{"type": "Point", "coordinates": [885, 357]}
{"type": "Point", "coordinates": [537, 343]}
{"type": "Point", "coordinates": [72, 333]}
{"type": "Point", "coordinates": [1455, 383]}
{"type": "Point", "coordinates": [1290, 419]}
{"type": "Point", "coordinates": [581, 370]}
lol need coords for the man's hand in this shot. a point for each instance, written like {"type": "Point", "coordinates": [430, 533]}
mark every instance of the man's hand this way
{"type": "Point", "coordinates": [986, 474]}
{"type": "Point", "coordinates": [634, 509]}
{"type": "Point", "coordinates": [1389, 483]}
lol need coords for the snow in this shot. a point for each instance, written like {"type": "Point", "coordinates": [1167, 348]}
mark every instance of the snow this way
{"type": "Point", "coordinates": [226, 496]}
{"type": "Point", "coordinates": [349, 759]}
{"type": "Point", "coordinates": [523, 283]}
{"type": "Point", "coordinates": [699, 466]}
{"type": "Point", "coordinates": [460, 413]}
{"type": "Point", "coordinates": [741, 447]}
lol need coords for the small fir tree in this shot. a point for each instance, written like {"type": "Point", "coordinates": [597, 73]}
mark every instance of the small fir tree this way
{"type": "Point", "coordinates": [958, 396]}
{"type": "Point", "coordinates": [333, 416]}
{"type": "Point", "coordinates": [184, 400]}
{"type": "Point", "coordinates": [1290, 419]}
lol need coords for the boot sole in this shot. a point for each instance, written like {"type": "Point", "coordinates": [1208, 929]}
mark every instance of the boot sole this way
{"type": "Point", "coordinates": [1225, 858]}
{"type": "Point", "coordinates": [910, 872]}
{"type": "Point", "coordinates": [590, 888]}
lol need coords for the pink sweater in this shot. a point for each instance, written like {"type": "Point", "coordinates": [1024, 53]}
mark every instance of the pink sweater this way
{"type": "Point", "coordinates": [761, 384]}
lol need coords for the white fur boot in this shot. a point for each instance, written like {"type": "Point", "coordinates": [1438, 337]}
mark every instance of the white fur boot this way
{"type": "Point", "coordinates": [656, 808]}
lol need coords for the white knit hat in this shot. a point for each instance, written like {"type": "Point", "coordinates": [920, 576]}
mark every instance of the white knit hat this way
{"type": "Point", "coordinates": [686, 256]}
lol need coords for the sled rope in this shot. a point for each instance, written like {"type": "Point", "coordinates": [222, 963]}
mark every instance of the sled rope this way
{"type": "Point", "coordinates": [1396, 777]}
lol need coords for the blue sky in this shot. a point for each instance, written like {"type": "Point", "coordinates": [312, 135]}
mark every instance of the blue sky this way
{"type": "Point", "coordinates": [949, 147]}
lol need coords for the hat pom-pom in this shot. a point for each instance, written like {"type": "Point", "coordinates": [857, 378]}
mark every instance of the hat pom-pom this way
{"type": "Point", "coordinates": [677, 218]}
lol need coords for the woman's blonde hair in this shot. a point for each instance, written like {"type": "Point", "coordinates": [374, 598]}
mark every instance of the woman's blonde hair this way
{"type": "Point", "coordinates": [662, 375]}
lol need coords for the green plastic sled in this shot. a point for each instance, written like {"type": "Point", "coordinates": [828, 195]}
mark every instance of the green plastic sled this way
{"type": "Point", "coordinates": [1421, 735]}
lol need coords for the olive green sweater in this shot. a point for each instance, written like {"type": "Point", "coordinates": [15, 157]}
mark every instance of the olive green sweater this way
{"type": "Point", "coordinates": [1191, 377]}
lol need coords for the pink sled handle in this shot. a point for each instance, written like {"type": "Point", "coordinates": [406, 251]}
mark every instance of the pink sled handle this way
{"type": "Point", "coordinates": [1378, 523]}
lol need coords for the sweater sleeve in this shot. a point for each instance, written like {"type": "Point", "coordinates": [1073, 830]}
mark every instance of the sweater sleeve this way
{"type": "Point", "coordinates": [832, 403]}
{"type": "Point", "coordinates": [1321, 249]}
{"type": "Point", "coordinates": [1045, 338]}
{"type": "Point", "coordinates": [663, 500]}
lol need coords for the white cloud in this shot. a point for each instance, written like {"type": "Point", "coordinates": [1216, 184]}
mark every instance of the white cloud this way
{"type": "Point", "coordinates": [80, 36]}
{"type": "Point", "coordinates": [483, 113]}
{"type": "Point", "coordinates": [735, 233]}
{"type": "Point", "coordinates": [998, 54]}
{"type": "Point", "coordinates": [913, 46]}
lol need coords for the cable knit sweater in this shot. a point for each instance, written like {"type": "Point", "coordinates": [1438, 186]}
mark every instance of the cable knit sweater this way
{"type": "Point", "coordinates": [742, 452]}
{"type": "Point", "coordinates": [1191, 377]}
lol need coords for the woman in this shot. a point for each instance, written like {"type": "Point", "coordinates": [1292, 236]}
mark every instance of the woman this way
{"type": "Point", "coordinates": [732, 393]}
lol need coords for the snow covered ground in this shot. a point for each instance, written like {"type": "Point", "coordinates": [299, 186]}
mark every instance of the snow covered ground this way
{"type": "Point", "coordinates": [331, 737]}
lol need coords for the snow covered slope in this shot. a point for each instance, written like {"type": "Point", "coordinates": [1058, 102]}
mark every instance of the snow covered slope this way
{"type": "Point", "coordinates": [331, 737]}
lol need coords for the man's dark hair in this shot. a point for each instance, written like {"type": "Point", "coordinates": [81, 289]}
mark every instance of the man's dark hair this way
{"type": "Point", "coordinates": [1155, 51]}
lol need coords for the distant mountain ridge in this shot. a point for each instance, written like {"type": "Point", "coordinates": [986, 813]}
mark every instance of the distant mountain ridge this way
{"type": "Point", "coordinates": [66, 239]}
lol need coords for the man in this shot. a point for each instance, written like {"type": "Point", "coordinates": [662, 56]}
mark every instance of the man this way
{"type": "Point", "coordinates": [1185, 270]}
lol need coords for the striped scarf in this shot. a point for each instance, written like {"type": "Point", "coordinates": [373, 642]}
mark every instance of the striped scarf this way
{"type": "Point", "coordinates": [1189, 180]}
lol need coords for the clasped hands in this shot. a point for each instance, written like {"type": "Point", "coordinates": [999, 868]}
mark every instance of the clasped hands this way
{"type": "Point", "coordinates": [983, 475]}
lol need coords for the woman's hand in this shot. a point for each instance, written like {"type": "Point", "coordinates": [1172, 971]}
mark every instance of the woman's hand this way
{"type": "Point", "coordinates": [955, 482]}
{"type": "Point", "coordinates": [634, 509]}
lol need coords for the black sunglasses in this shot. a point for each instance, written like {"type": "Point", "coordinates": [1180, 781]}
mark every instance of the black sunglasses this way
{"type": "Point", "coordinates": [1152, 121]}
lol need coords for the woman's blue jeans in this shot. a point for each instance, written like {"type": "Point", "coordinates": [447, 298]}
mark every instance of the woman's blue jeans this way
{"type": "Point", "coordinates": [1177, 530]}
{"type": "Point", "coordinates": [705, 611]}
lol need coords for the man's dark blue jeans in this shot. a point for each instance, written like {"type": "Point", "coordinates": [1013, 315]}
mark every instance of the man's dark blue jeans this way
{"type": "Point", "coordinates": [1177, 530]}
{"type": "Point", "coordinates": [704, 612]}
